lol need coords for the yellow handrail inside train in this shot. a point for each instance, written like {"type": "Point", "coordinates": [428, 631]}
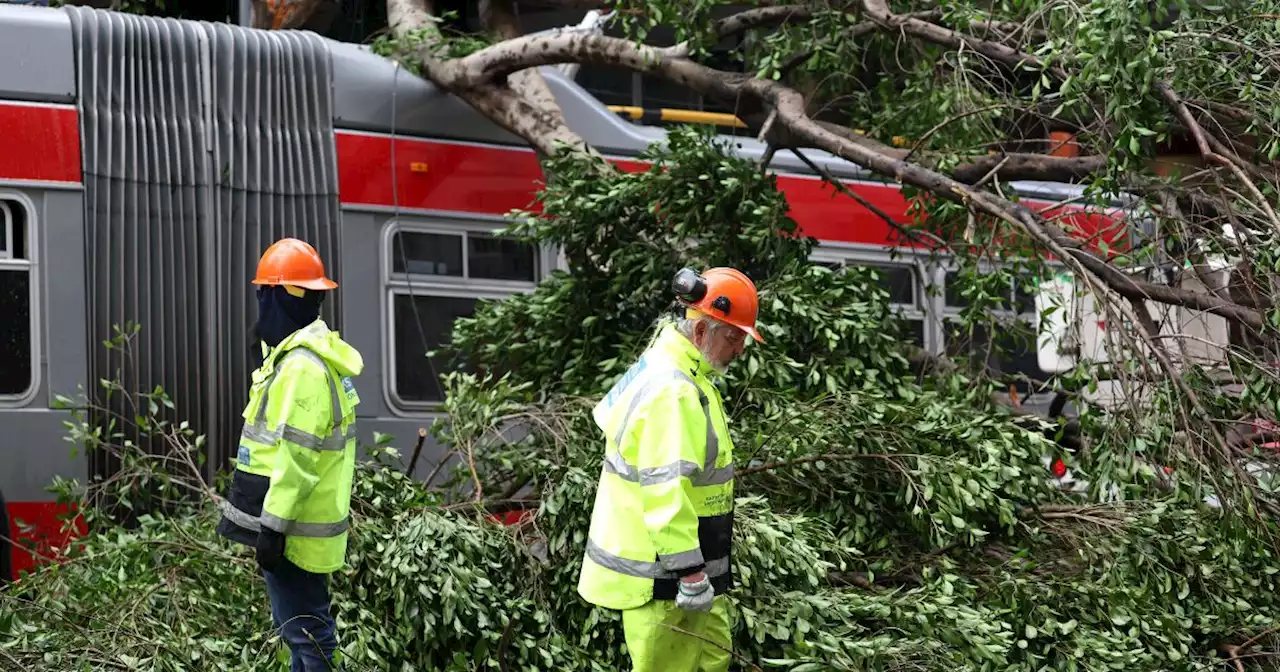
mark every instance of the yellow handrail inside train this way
{"type": "Point", "coordinates": [698, 117]}
{"type": "Point", "coordinates": [680, 116]}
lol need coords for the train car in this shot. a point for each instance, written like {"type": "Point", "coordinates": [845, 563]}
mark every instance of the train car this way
{"type": "Point", "coordinates": [146, 163]}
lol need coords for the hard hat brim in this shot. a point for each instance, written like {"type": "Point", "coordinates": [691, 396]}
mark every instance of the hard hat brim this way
{"type": "Point", "coordinates": [751, 331]}
{"type": "Point", "coordinates": [318, 284]}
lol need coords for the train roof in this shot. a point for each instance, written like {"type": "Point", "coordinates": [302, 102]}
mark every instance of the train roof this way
{"type": "Point", "coordinates": [42, 47]}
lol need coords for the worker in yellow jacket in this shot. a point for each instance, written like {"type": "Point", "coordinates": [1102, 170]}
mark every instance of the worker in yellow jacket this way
{"type": "Point", "coordinates": [291, 490]}
{"type": "Point", "coordinates": [662, 527]}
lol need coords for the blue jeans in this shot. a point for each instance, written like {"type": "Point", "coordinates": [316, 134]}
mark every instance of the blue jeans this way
{"type": "Point", "coordinates": [300, 611]}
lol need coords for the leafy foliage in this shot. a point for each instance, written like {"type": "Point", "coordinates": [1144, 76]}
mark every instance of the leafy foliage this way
{"type": "Point", "coordinates": [882, 524]}
{"type": "Point", "coordinates": [625, 237]}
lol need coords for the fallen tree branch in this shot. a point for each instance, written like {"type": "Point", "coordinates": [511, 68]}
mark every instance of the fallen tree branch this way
{"type": "Point", "coordinates": [1224, 157]}
{"type": "Point", "coordinates": [745, 20]}
{"type": "Point", "coordinates": [878, 11]}
{"type": "Point", "coordinates": [543, 127]}
{"type": "Point", "coordinates": [849, 34]}
{"type": "Point", "coordinates": [1018, 166]}
{"type": "Point", "coordinates": [496, 62]}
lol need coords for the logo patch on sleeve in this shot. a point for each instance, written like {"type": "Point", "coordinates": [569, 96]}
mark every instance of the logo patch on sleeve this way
{"type": "Point", "coordinates": [242, 456]}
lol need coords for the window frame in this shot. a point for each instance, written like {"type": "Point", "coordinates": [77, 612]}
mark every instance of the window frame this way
{"type": "Point", "coordinates": [394, 284]}
{"type": "Point", "coordinates": [8, 262]}
{"type": "Point", "coordinates": [921, 310]}
{"type": "Point", "coordinates": [949, 312]}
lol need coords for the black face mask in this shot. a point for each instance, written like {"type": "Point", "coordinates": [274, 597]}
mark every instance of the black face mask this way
{"type": "Point", "coordinates": [280, 314]}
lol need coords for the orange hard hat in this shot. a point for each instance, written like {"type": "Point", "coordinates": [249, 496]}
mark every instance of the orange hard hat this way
{"type": "Point", "coordinates": [290, 261]}
{"type": "Point", "coordinates": [725, 294]}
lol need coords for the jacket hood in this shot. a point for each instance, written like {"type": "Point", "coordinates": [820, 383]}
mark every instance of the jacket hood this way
{"type": "Point", "coordinates": [669, 348]}
{"type": "Point", "coordinates": [325, 342]}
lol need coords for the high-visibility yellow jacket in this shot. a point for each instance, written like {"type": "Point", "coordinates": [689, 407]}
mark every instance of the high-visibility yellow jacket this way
{"type": "Point", "coordinates": [298, 449]}
{"type": "Point", "coordinates": [664, 507]}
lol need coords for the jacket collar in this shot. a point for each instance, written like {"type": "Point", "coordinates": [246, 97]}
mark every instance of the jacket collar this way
{"type": "Point", "coordinates": [307, 335]}
{"type": "Point", "coordinates": [685, 353]}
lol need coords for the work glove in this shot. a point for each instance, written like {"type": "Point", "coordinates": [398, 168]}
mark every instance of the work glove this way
{"type": "Point", "coordinates": [270, 549]}
{"type": "Point", "coordinates": [696, 595]}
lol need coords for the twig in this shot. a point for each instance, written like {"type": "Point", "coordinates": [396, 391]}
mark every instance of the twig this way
{"type": "Point", "coordinates": [417, 451]}
{"type": "Point", "coordinates": [1233, 655]}
{"type": "Point", "coordinates": [917, 236]}
{"type": "Point", "coordinates": [716, 644]}
{"type": "Point", "coordinates": [817, 458]}
{"type": "Point", "coordinates": [1258, 637]}
{"type": "Point", "coordinates": [439, 465]}
{"type": "Point", "coordinates": [1205, 145]}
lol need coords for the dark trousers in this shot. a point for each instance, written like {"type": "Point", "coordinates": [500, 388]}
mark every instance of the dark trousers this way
{"type": "Point", "coordinates": [300, 611]}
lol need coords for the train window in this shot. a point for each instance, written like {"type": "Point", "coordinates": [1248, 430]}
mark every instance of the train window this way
{"type": "Point", "coordinates": [1019, 296]}
{"type": "Point", "coordinates": [500, 258]}
{"type": "Point", "coordinates": [899, 280]}
{"type": "Point", "coordinates": [424, 253]}
{"type": "Point", "coordinates": [952, 293]}
{"type": "Point", "coordinates": [1008, 355]}
{"type": "Point", "coordinates": [438, 276]}
{"type": "Point", "coordinates": [903, 284]}
{"type": "Point", "coordinates": [915, 329]}
{"type": "Point", "coordinates": [424, 323]}
{"type": "Point", "coordinates": [16, 339]}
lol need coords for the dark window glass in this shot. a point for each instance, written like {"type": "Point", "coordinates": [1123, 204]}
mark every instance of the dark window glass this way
{"type": "Point", "coordinates": [915, 330]}
{"type": "Point", "coordinates": [1024, 296]}
{"type": "Point", "coordinates": [13, 229]}
{"type": "Point", "coordinates": [952, 294]}
{"type": "Point", "coordinates": [900, 281]}
{"type": "Point", "coordinates": [1023, 300]}
{"type": "Point", "coordinates": [1013, 354]}
{"type": "Point", "coordinates": [500, 258]}
{"type": "Point", "coordinates": [427, 253]}
{"type": "Point", "coordinates": [611, 86]}
{"type": "Point", "coordinates": [424, 323]}
{"type": "Point", "coordinates": [15, 331]}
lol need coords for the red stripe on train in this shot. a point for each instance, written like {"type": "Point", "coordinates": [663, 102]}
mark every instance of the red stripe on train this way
{"type": "Point", "coordinates": [39, 142]}
{"type": "Point", "coordinates": [463, 177]}
{"type": "Point", "coordinates": [39, 526]}
{"type": "Point", "coordinates": [42, 143]}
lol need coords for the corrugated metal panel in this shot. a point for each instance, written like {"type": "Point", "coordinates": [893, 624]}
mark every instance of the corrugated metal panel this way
{"type": "Point", "coordinates": [138, 104]}
{"type": "Point", "coordinates": [203, 144]}
{"type": "Point", "coordinates": [277, 174]}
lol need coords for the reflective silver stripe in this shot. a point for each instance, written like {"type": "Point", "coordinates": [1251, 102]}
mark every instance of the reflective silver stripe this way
{"type": "Point", "coordinates": [713, 439]}
{"type": "Point", "coordinates": [292, 528]}
{"type": "Point", "coordinates": [647, 570]}
{"type": "Point", "coordinates": [667, 472]}
{"type": "Point", "coordinates": [614, 464]}
{"type": "Point", "coordinates": [335, 442]}
{"type": "Point", "coordinates": [679, 561]}
{"type": "Point", "coordinates": [652, 383]}
{"type": "Point", "coordinates": [709, 474]}
{"type": "Point", "coordinates": [259, 433]}
{"type": "Point", "coordinates": [240, 518]}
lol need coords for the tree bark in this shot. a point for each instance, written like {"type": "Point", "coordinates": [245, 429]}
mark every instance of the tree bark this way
{"type": "Point", "coordinates": [482, 79]}
{"type": "Point", "coordinates": [495, 63]}
{"type": "Point", "coordinates": [545, 129]}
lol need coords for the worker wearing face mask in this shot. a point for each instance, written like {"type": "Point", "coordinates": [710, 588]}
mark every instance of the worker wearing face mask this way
{"type": "Point", "coordinates": [291, 490]}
